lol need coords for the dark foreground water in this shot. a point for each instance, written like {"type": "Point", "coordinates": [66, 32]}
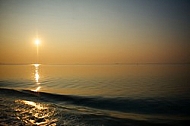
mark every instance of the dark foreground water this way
{"type": "Point", "coordinates": [95, 95]}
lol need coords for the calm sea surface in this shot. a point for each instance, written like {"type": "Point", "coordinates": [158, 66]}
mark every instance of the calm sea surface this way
{"type": "Point", "coordinates": [149, 94]}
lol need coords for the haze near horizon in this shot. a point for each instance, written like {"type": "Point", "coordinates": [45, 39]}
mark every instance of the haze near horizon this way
{"type": "Point", "coordinates": [101, 31]}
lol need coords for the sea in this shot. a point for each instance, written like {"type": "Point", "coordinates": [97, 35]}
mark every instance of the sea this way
{"type": "Point", "coordinates": [95, 95]}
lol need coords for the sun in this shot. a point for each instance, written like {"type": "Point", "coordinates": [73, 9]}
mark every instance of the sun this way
{"type": "Point", "coordinates": [37, 41]}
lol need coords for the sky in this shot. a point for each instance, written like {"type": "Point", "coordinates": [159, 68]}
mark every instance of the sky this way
{"type": "Point", "coordinates": [95, 31]}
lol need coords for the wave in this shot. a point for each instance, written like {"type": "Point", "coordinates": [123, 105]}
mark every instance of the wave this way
{"type": "Point", "coordinates": [36, 108]}
{"type": "Point", "coordinates": [128, 105]}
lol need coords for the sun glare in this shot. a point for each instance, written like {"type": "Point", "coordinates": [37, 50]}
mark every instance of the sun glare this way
{"type": "Point", "coordinates": [37, 41]}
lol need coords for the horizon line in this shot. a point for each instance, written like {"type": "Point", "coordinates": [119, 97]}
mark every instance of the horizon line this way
{"type": "Point", "coordinates": [147, 63]}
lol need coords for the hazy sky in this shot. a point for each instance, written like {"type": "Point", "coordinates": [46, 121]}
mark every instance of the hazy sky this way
{"type": "Point", "coordinates": [95, 31]}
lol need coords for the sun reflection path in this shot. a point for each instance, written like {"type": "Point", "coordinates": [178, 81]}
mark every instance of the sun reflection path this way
{"type": "Point", "coordinates": [37, 77]}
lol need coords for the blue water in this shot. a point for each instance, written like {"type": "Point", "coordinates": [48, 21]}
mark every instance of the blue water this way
{"type": "Point", "coordinates": [88, 95]}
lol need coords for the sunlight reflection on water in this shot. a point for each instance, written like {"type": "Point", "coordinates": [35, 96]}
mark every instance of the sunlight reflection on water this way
{"type": "Point", "coordinates": [37, 77]}
{"type": "Point", "coordinates": [32, 113]}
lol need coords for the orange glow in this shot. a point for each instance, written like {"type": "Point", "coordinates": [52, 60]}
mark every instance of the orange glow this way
{"type": "Point", "coordinates": [123, 36]}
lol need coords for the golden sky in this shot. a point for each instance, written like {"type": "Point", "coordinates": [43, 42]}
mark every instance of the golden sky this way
{"type": "Point", "coordinates": [99, 31]}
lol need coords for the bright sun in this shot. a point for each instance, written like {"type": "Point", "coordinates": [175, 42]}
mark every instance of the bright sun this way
{"type": "Point", "coordinates": [37, 41]}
